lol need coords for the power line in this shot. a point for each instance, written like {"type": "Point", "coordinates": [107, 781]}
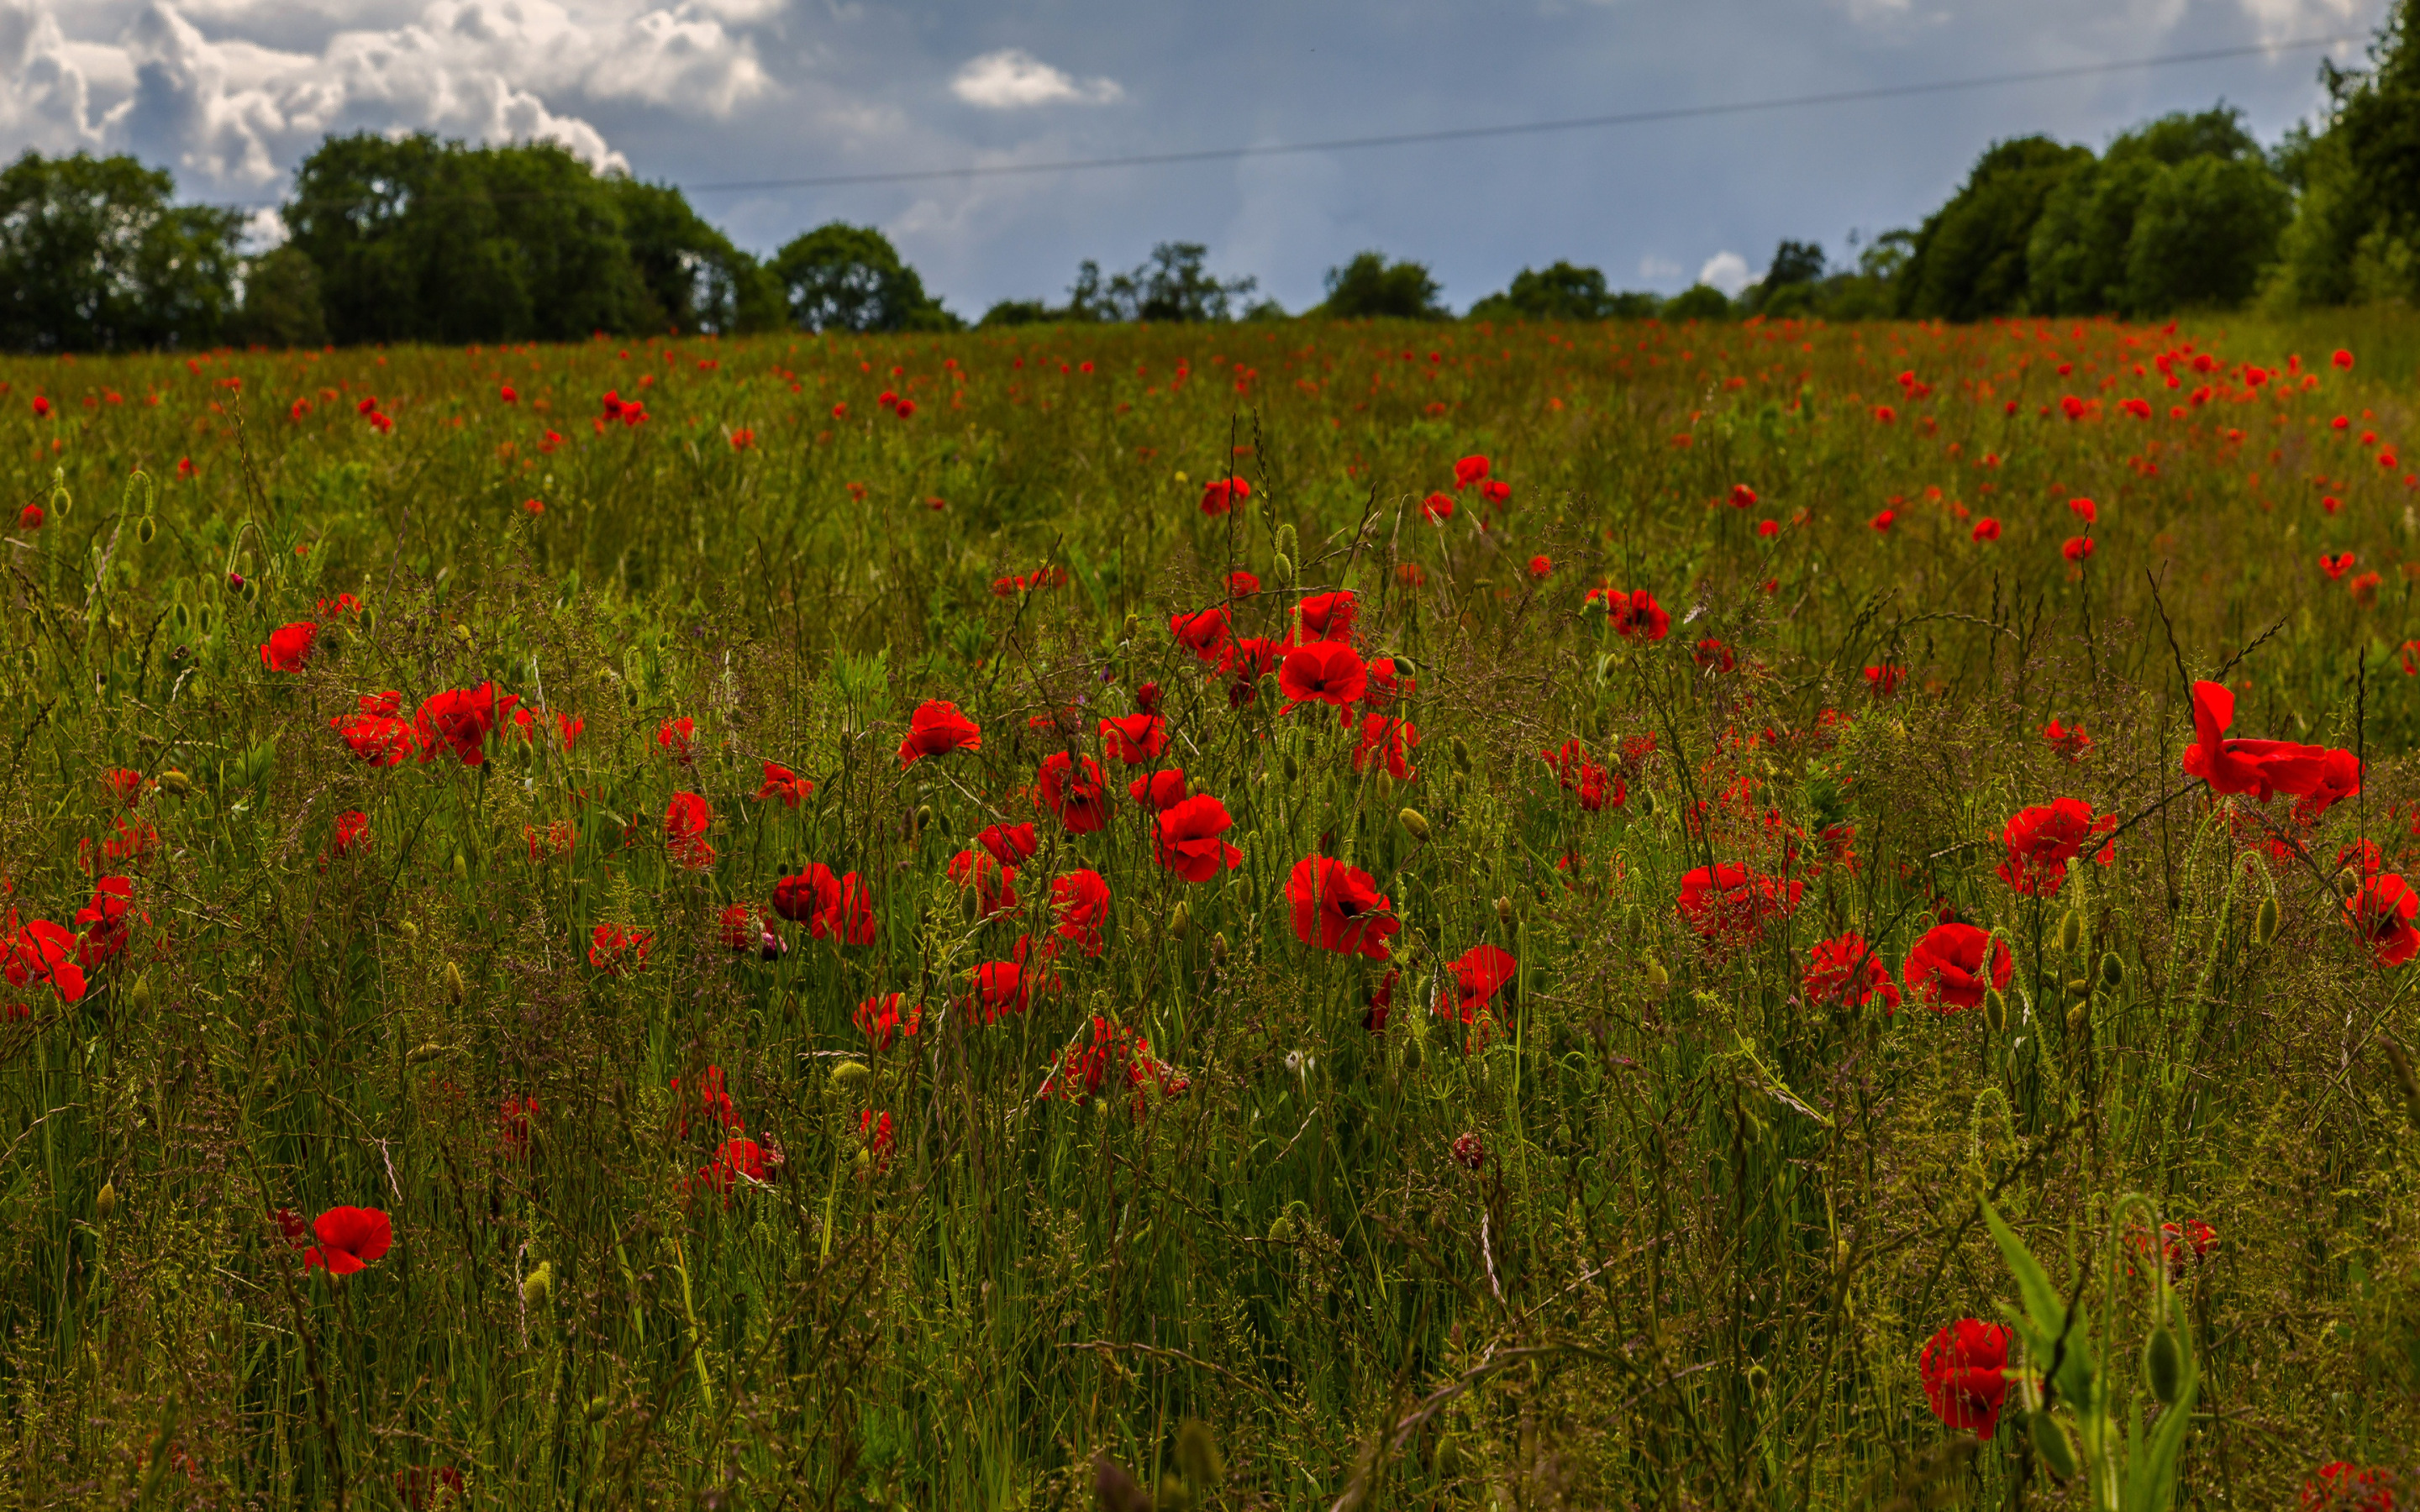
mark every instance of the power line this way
{"type": "Point", "coordinates": [1575, 123]}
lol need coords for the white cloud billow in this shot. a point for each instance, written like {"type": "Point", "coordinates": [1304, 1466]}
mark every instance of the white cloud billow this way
{"type": "Point", "coordinates": [1012, 79]}
{"type": "Point", "coordinates": [1656, 269]}
{"type": "Point", "coordinates": [1727, 271]}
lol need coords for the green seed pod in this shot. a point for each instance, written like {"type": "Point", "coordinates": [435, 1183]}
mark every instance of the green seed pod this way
{"type": "Point", "coordinates": [104, 1202]}
{"type": "Point", "coordinates": [1172, 1496]}
{"type": "Point", "coordinates": [2071, 930]}
{"type": "Point", "coordinates": [538, 1285]}
{"type": "Point", "coordinates": [2163, 1364]}
{"type": "Point", "coordinates": [849, 1073]}
{"type": "Point", "coordinates": [1133, 629]}
{"type": "Point", "coordinates": [1282, 1230]}
{"type": "Point", "coordinates": [1281, 570]}
{"type": "Point", "coordinates": [1197, 1453]}
{"type": "Point", "coordinates": [2267, 922]}
{"type": "Point", "coordinates": [1180, 919]}
{"type": "Point", "coordinates": [2052, 1444]}
{"type": "Point", "coordinates": [175, 783]}
{"type": "Point", "coordinates": [2113, 971]}
{"type": "Point", "coordinates": [1415, 825]}
{"type": "Point", "coordinates": [1995, 1010]}
{"type": "Point", "coordinates": [146, 530]}
{"type": "Point", "coordinates": [1403, 664]}
{"type": "Point", "coordinates": [597, 1408]}
{"type": "Point", "coordinates": [424, 1052]}
{"type": "Point", "coordinates": [454, 980]}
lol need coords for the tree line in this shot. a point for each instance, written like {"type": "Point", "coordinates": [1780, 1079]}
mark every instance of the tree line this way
{"type": "Point", "coordinates": [421, 239]}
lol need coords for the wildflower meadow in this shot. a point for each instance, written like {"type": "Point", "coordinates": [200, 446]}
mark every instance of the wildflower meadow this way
{"type": "Point", "coordinates": [1292, 914]}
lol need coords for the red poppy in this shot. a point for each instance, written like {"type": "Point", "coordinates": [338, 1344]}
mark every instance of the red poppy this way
{"type": "Point", "coordinates": [1496, 492]}
{"type": "Point", "coordinates": [1160, 790]}
{"type": "Point", "coordinates": [880, 1020]}
{"type": "Point", "coordinates": [736, 1160]}
{"type": "Point", "coordinates": [1204, 633]}
{"type": "Point", "coordinates": [874, 1132]}
{"type": "Point", "coordinates": [2069, 742]}
{"type": "Point", "coordinates": [1385, 739]}
{"type": "Point", "coordinates": [1478, 975]}
{"type": "Point", "coordinates": [1189, 843]}
{"type": "Point", "coordinates": [1245, 662]}
{"type": "Point", "coordinates": [2339, 1486]}
{"type": "Point", "coordinates": [1743, 496]}
{"type": "Point", "coordinates": [2336, 566]}
{"type": "Point", "coordinates": [1727, 903]}
{"type": "Point", "coordinates": [837, 908]}
{"type": "Point", "coordinates": [1082, 901]}
{"type": "Point", "coordinates": [784, 784]}
{"type": "Point", "coordinates": [1583, 778]}
{"type": "Point", "coordinates": [375, 735]}
{"type": "Point", "coordinates": [350, 1239]}
{"type": "Point", "coordinates": [2260, 768]}
{"type": "Point", "coordinates": [611, 946]}
{"type": "Point", "coordinates": [1147, 698]}
{"type": "Point", "coordinates": [1329, 616]}
{"type": "Point", "coordinates": [686, 817]}
{"type": "Point", "coordinates": [710, 1101]}
{"type": "Point", "coordinates": [678, 738]}
{"type": "Point", "coordinates": [1438, 507]}
{"type": "Point", "coordinates": [40, 950]}
{"type": "Point", "coordinates": [1714, 655]}
{"type": "Point", "coordinates": [1325, 670]}
{"type": "Point", "coordinates": [1945, 969]}
{"type": "Point", "coordinates": [1987, 528]}
{"type": "Point", "coordinates": [1636, 616]}
{"type": "Point", "coordinates": [1540, 567]}
{"type": "Point", "coordinates": [2380, 916]}
{"type": "Point", "coordinates": [2085, 510]}
{"type": "Point", "coordinates": [290, 646]}
{"type": "Point", "coordinates": [1073, 791]}
{"type": "Point", "coordinates": [103, 923]}
{"type": "Point", "coordinates": [1883, 680]}
{"type": "Point", "coordinates": [1467, 471]}
{"type": "Point", "coordinates": [935, 728]}
{"type": "Point", "coordinates": [1136, 739]}
{"type": "Point", "coordinates": [2044, 839]}
{"type": "Point", "coordinates": [352, 832]}
{"type": "Point", "coordinates": [1964, 1371]}
{"type": "Point", "coordinates": [1219, 495]}
{"type": "Point", "coordinates": [1846, 972]}
{"type": "Point", "coordinates": [743, 928]}
{"type": "Point", "coordinates": [998, 987]}
{"type": "Point", "coordinates": [1009, 845]}
{"type": "Point", "coordinates": [995, 884]}
{"type": "Point", "coordinates": [1339, 908]}
{"type": "Point", "coordinates": [2076, 547]}
{"type": "Point", "coordinates": [459, 720]}
{"type": "Point", "coordinates": [1385, 686]}
{"type": "Point", "coordinates": [30, 518]}
{"type": "Point", "coordinates": [1242, 584]}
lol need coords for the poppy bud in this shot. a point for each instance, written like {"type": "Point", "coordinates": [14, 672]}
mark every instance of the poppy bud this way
{"type": "Point", "coordinates": [408, 930]}
{"type": "Point", "coordinates": [2266, 924]}
{"type": "Point", "coordinates": [252, 592]}
{"type": "Point", "coordinates": [538, 1284]}
{"type": "Point", "coordinates": [1404, 667]}
{"type": "Point", "coordinates": [1218, 947]}
{"type": "Point", "coordinates": [1995, 1010]}
{"type": "Point", "coordinates": [1461, 754]}
{"type": "Point", "coordinates": [1293, 767]}
{"type": "Point", "coordinates": [1197, 1453]}
{"type": "Point", "coordinates": [1133, 627]}
{"type": "Point", "coordinates": [1285, 541]}
{"type": "Point", "coordinates": [1180, 920]}
{"type": "Point", "coordinates": [1282, 1230]}
{"type": "Point", "coordinates": [848, 1073]}
{"type": "Point", "coordinates": [1657, 976]}
{"type": "Point", "coordinates": [104, 1201]}
{"type": "Point", "coordinates": [1416, 1052]}
{"type": "Point", "coordinates": [2051, 1442]}
{"type": "Point", "coordinates": [2163, 1364]}
{"type": "Point", "coordinates": [1269, 690]}
{"type": "Point", "coordinates": [1282, 570]}
{"type": "Point", "coordinates": [461, 867]}
{"type": "Point", "coordinates": [175, 783]}
{"type": "Point", "coordinates": [923, 816]}
{"type": "Point", "coordinates": [2075, 1021]}
{"type": "Point", "coordinates": [140, 997]}
{"type": "Point", "coordinates": [1382, 789]}
{"type": "Point", "coordinates": [454, 980]}
{"type": "Point", "coordinates": [970, 905]}
{"type": "Point", "coordinates": [597, 1408]}
{"type": "Point", "coordinates": [145, 528]}
{"type": "Point", "coordinates": [1414, 824]}
{"type": "Point", "coordinates": [2079, 986]}
{"type": "Point", "coordinates": [2071, 930]}
{"type": "Point", "coordinates": [2113, 971]}
{"type": "Point", "coordinates": [1504, 912]}
{"type": "Point", "coordinates": [1172, 1496]}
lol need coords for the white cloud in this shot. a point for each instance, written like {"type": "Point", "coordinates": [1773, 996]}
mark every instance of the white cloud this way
{"type": "Point", "coordinates": [1013, 78]}
{"type": "Point", "coordinates": [1655, 269]}
{"type": "Point", "coordinates": [45, 96]}
{"type": "Point", "coordinates": [1727, 271]}
{"type": "Point", "coordinates": [2282, 19]}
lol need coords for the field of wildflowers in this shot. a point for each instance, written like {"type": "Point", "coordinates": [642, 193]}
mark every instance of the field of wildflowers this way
{"type": "Point", "coordinates": [1292, 915]}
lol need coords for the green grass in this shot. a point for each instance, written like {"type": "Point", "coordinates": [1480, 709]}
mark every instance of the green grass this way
{"type": "Point", "coordinates": [1711, 1223]}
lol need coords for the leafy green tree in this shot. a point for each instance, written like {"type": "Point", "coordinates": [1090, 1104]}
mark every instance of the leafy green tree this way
{"type": "Point", "coordinates": [1016, 312]}
{"type": "Point", "coordinates": [281, 302]}
{"type": "Point", "coordinates": [695, 279]}
{"type": "Point", "coordinates": [93, 258]}
{"type": "Point", "coordinates": [1561, 292]}
{"type": "Point", "coordinates": [1969, 259]}
{"type": "Point", "coordinates": [1699, 301]}
{"type": "Point", "coordinates": [1791, 281]}
{"type": "Point", "coordinates": [2206, 230]}
{"type": "Point", "coordinates": [2185, 209]}
{"type": "Point", "coordinates": [840, 277]}
{"type": "Point", "coordinates": [2355, 235]}
{"type": "Point", "coordinates": [1369, 286]}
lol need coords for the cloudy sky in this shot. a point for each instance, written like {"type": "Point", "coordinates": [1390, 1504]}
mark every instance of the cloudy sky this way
{"type": "Point", "coordinates": [231, 93]}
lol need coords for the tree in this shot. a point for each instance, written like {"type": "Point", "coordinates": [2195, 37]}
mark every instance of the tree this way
{"type": "Point", "coordinates": [695, 279]}
{"type": "Point", "coordinates": [281, 302]}
{"type": "Point", "coordinates": [1172, 285]}
{"type": "Point", "coordinates": [840, 277]}
{"type": "Point", "coordinates": [1369, 286]}
{"type": "Point", "coordinates": [2356, 228]}
{"type": "Point", "coordinates": [1969, 258]}
{"type": "Point", "coordinates": [1561, 292]}
{"type": "Point", "coordinates": [93, 258]}
{"type": "Point", "coordinates": [1699, 301]}
{"type": "Point", "coordinates": [1789, 282]}
{"type": "Point", "coordinates": [1016, 312]}
{"type": "Point", "coordinates": [2185, 209]}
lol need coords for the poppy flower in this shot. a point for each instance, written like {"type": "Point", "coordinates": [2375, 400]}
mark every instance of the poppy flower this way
{"type": "Point", "coordinates": [784, 784]}
{"type": "Point", "coordinates": [1146, 697]}
{"type": "Point", "coordinates": [103, 923]}
{"type": "Point", "coordinates": [1009, 845]}
{"type": "Point", "coordinates": [1714, 655]}
{"type": "Point", "coordinates": [710, 1101]}
{"type": "Point", "coordinates": [1204, 633]}
{"type": "Point", "coordinates": [2380, 916]}
{"type": "Point", "coordinates": [2340, 1486]}
{"type": "Point", "coordinates": [2071, 743]}
{"type": "Point", "coordinates": [1189, 843]}
{"type": "Point", "coordinates": [1964, 1371]}
{"type": "Point", "coordinates": [1467, 471]}
{"type": "Point", "coordinates": [1324, 671]}
{"type": "Point", "coordinates": [995, 884]}
{"type": "Point", "coordinates": [1328, 616]}
{"type": "Point", "coordinates": [458, 721]}
{"type": "Point", "coordinates": [30, 518]}
{"type": "Point", "coordinates": [1478, 975]}
{"type": "Point", "coordinates": [40, 950]}
{"type": "Point", "coordinates": [1074, 791]}
{"type": "Point", "coordinates": [736, 1160]}
{"type": "Point", "coordinates": [2085, 510]}
{"type": "Point", "coordinates": [1883, 680]}
{"type": "Point", "coordinates": [127, 787]}
{"type": "Point", "coordinates": [1159, 791]}
{"type": "Point", "coordinates": [1846, 972]}
{"type": "Point", "coordinates": [1339, 908]}
{"type": "Point", "coordinates": [1882, 522]}
{"type": "Point", "coordinates": [1081, 899]}
{"type": "Point", "coordinates": [1246, 661]}
{"type": "Point", "coordinates": [1540, 567]}
{"type": "Point", "coordinates": [1135, 738]}
{"type": "Point", "coordinates": [1987, 528]}
{"type": "Point", "coordinates": [880, 1020]}
{"type": "Point", "coordinates": [1385, 739]}
{"type": "Point", "coordinates": [1583, 778]}
{"type": "Point", "coordinates": [611, 946]}
{"type": "Point", "coordinates": [1219, 495]}
{"type": "Point", "coordinates": [290, 646]}
{"type": "Point", "coordinates": [678, 738]}
{"type": "Point", "coordinates": [1242, 584]}
{"type": "Point", "coordinates": [2076, 547]}
{"type": "Point", "coordinates": [1438, 507]}
{"type": "Point", "coordinates": [1496, 492]}
{"type": "Point", "coordinates": [375, 735]}
{"type": "Point", "coordinates": [743, 928]}
{"type": "Point", "coordinates": [1385, 686]}
{"type": "Point", "coordinates": [2041, 839]}
{"type": "Point", "coordinates": [1727, 903]}
{"type": "Point", "coordinates": [2259, 767]}
{"type": "Point", "coordinates": [935, 728]}
{"type": "Point", "coordinates": [686, 817]}
{"type": "Point", "coordinates": [1636, 616]}
{"type": "Point", "coordinates": [352, 832]}
{"type": "Point", "coordinates": [998, 987]}
{"type": "Point", "coordinates": [350, 1239]}
{"type": "Point", "coordinates": [1947, 969]}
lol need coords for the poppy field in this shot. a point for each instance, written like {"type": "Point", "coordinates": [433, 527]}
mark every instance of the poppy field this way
{"type": "Point", "coordinates": [1255, 916]}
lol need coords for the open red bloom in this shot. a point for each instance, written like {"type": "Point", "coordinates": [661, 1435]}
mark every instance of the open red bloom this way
{"type": "Point", "coordinates": [1437, 508]}
{"type": "Point", "coordinates": [290, 646]}
{"type": "Point", "coordinates": [743, 928]}
{"type": "Point", "coordinates": [1159, 791]}
{"type": "Point", "coordinates": [1986, 529]}
{"type": "Point", "coordinates": [1478, 975]}
{"type": "Point", "coordinates": [1325, 670]}
{"type": "Point", "coordinates": [1204, 633]}
{"type": "Point", "coordinates": [350, 1239]}
{"type": "Point", "coordinates": [1467, 471]}
{"type": "Point", "coordinates": [1386, 740]}
{"type": "Point", "coordinates": [784, 784]}
{"type": "Point", "coordinates": [1245, 662]}
{"type": "Point", "coordinates": [1965, 1371]}
{"type": "Point", "coordinates": [736, 1162]}
{"type": "Point", "coordinates": [459, 720]}
{"type": "Point", "coordinates": [935, 728]}
{"type": "Point", "coordinates": [1009, 845]}
{"type": "Point", "coordinates": [686, 819]}
{"type": "Point", "coordinates": [2340, 1486]}
{"type": "Point", "coordinates": [1583, 778]}
{"type": "Point", "coordinates": [1329, 616]}
{"type": "Point", "coordinates": [678, 738]}
{"type": "Point", "coordinates": [1846, 972]}
{"type": "Point", "coordinates": [1135, 738]}
{"type": "Point", "coordinates": [2260, 768]}
{"type": "Point", "coordinates": [1636, 616]}
{"type": "Point", "coordinates": [40, 950]}
{"type": "Point", "coordinates": [2044, 839]}
{"type": "Point", "coordinates": [1339, 908]}
{"type": "Point", "coordinates": [1082, 901]}
{"type": "Point", "coordinates": [2380, 916]}
{"type": "Point", "coordinates": [1073, 792]}
{"type": "Point", "coordinates": [611, 946]}
{"type": "Point", "coordinates": [833, 907]}
{"type": "Point", "coordinates": [1726, 904]}
{"type": "Point", "coordinates": [1219, 495]}
{"type": "Point", "coordinates": [995, 884]}
{"type": "Point", "coordinates": [1189, 843]}
{"type": "Point", "coordinates": [880, 1020]}
{"type": "Point", "coordinates": [1947, 969]}
{"type": "Point", "coordinates": [103, 920]}
{"type": "Point", "coordinates": [2071, 743]}
{"type": "Point", "coordinates": [375, 735]}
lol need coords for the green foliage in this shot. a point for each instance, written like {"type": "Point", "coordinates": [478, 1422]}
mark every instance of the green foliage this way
{"type": "Point", "coordinates": [1969, 259]}
{"type": "Point", "coordinates": [841, 277]}
{"type": "Point", "coordinates": [1562, 292]}
{"type": "Point", "coordinates": [93, 258]}
{"type": "Point", "coordinates": [1699, 301]}
{"type": "Point", "coordinates": [1369, 286]}
{"type": "Point", "coordinates": [281, 302]}
{"type": "Point", "coordinates": [695, 279]}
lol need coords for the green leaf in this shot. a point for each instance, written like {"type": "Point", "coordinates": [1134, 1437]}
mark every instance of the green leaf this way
{"type": "Point", "coordinates": [2043, 1308]}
